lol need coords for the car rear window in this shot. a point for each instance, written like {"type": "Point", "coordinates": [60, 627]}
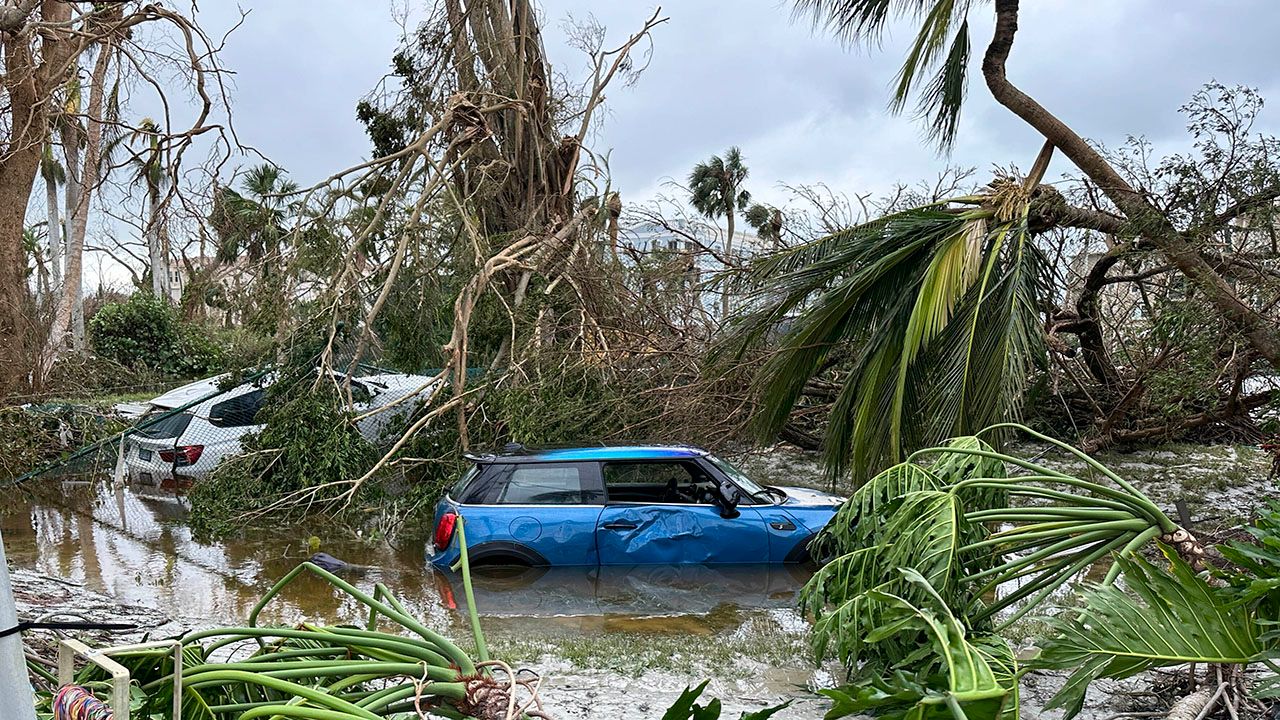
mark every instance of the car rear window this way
{"type": "Point", "coordinates": [168, 427]}
{"type": "Point", "coordinates": [238, 411]}
{"type": "Point", "coordinates": [544, 485]}
{"type": "Point", "coordinates": [532, 484]}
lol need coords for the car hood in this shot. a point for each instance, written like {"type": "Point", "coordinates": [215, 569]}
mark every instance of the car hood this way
{"type": "Point", "coordinates": [805, 497]}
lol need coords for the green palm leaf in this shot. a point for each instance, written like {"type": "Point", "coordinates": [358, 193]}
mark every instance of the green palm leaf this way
{"type": "Point", "coordinates": [943, 26]}
{"type": "Point", "coordinates": [1167, 618]}
{"type": "Point", "coordinates": [939, 310]}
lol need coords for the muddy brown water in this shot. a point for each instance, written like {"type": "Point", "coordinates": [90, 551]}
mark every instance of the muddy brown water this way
{"type": "Point", "coordinates": [133, 544]}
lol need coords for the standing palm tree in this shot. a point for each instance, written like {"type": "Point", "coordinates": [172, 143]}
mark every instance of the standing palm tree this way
{"type": "Point", "coordinates": [149, 166]}
{"type": "Point", "coordinates": [254, 222]}
{"type": "Point", "coordinates": [715, 190]}
{"type": "Point", "coordinates": [54, 175]}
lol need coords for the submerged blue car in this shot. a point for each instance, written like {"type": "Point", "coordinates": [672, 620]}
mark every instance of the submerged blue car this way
{"type": "Point", "coordinates": [637, 505]}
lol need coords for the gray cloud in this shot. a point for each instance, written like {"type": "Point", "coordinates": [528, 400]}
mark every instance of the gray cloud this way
{"type": "Point", "coordinates": [802, 107]}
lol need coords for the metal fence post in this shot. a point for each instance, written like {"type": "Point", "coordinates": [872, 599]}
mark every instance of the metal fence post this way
{"type": "Point", "coordinates": [16, 699]}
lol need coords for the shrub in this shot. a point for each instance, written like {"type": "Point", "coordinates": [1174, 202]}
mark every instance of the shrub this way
{"type": "Point", "coordinates": [146, 332]}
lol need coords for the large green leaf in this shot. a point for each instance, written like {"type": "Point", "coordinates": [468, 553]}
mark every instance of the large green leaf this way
{"type": "Point", "coordinates": [965, 684]}
{"type": "Point", "coordinates": [862, 517]}
{"type": "Point", "coordinates": [1165, 618]}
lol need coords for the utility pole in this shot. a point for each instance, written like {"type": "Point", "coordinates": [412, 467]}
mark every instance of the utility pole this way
{"type": "Point", "coordinates": [16, 700]}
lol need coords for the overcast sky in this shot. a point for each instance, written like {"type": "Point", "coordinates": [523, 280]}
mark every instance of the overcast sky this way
{"type": "Point", "coordinates": [802, 107]}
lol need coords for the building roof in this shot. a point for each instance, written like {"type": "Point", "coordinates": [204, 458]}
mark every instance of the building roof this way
{"type": "Point", "coordinates": [590, 454]}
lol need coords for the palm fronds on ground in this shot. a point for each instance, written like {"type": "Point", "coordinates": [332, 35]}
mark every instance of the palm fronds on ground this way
{"type": "Point", "coordinates": [971, 540]}
{"type": "Point", "coordinates": [938, 308]}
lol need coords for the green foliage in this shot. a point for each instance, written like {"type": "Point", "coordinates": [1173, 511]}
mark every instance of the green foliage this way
{"type": "Point", "coordinates": [577, 403]}
{"type": "Point", "coordinates": [309, 670]}
{"type": "Point", "coordinates": [1163, 618]}
{"type": "Point", "coordinates": [715, 186]}
{"type": "Point", "coordinates": [940, 308]}
{"type": "Point", "coordinates": [941, 45]}
{"type": "Point", "coordinates": [919, 548]}
{"type": "Point", "coordinates": [36, 435]}
{"type": "Point", "coordinates": [1257, 572]}
{"type": "Point", "coordinates": [146, 332]}
{"type": "Point", "coordinates": [309, 439]}
{"type": "Point", "coordinates": [967, 678]}
{"type": "Point", "coordinates": [686, 707]}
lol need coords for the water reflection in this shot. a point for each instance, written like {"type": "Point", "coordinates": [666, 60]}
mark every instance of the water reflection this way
{"type": "Point", "coordinates": [135, 546]}
{"type": "Point", "coordinates": [642, 590]}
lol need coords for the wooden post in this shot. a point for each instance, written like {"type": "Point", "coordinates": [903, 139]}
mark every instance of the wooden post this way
{"type": "Point", "coordinates": [16, 699]}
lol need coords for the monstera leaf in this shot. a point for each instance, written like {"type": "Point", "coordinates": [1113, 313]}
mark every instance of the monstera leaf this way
{"type": "Point", "coordinates": [1166, 617]}
{"type": "Point", "coordinates": [971, 678]}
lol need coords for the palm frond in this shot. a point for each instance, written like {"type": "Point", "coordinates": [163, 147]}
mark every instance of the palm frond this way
{"type": "Point", "coordinates": [1167, 617]}
{"type": "Point", "coordinates": [941, 310]}
{"type": "Point", "coordinates": [942, 25]}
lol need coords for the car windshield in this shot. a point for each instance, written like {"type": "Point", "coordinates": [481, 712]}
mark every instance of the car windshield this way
{"type": "Point", "coordinates": [749, 486]}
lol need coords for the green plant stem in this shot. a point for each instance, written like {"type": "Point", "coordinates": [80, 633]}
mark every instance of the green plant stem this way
{"type": "Point", "coordinates": [1132, 525]}
{"type": "Point", "coordinates": [482, 650]}
{"type": "Point", "coordinates": [450, 650]}
{"type": "Point", "coordinates": [1066, 544]}
{"type": "Point", "coordinates": [1129, 549]}
{"type": "Point", "coordinates": [1139, 502]}
{"type": "Point", "coordinates": [1050, 584]}
{"type": "Point", "coordinates": [1071, 449]}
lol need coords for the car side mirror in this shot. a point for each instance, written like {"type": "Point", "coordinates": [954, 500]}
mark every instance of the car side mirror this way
{"type": "Point", "coordinates": [727, 499]}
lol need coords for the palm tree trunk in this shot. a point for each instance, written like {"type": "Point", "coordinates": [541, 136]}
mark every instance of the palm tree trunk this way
{"type": "Point", "coordinates": [55, 233]}
{"type": "Point", "coordinates": [155, 247]}
{"type": "Point", "coordinates": [728, 258]}
{"type": "Point", "coordinates": [69, 319]}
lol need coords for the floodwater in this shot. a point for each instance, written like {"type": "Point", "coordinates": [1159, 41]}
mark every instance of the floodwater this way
{"type": "Point", "coordinates": [133, 544]}
{"type": "Point", "coordinates": [608, 633]}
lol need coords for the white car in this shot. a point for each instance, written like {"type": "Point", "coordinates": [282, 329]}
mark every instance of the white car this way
{"type": "Point", "coordinates": [188, 445]}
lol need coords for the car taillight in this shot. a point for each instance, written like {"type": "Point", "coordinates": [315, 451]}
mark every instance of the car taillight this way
{"type": "Point", "coordinates": [182, 455]}
{"type": "Point", "coordinates": [444, 530]}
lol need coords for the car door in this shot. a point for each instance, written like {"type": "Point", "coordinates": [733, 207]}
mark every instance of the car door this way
{"type": "Point", "coordinates": [658, 513]}
{"type": "Point", "coordinates": [547, 508]}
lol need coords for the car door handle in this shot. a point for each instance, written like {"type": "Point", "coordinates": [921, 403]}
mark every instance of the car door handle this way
{"type": "Point", "coordinates": [620, 526]}
{"type": "Point", "coordinates": [783, 525]}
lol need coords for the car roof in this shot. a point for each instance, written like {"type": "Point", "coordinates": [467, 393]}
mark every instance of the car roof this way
{"type": "Point", "coordinates": [187, 393]}
{"type": "Point", "coordinates": [590, 454]}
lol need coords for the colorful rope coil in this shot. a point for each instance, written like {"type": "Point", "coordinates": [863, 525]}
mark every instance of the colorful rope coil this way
{"type": "Point", "coordinates": [75, 703]}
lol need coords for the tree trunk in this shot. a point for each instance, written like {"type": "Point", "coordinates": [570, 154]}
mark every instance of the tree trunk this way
{"type": "Point", "coordinates": [1144, 218]}
{"type": "Point", "coordinates": [55, 232]}
{"type": "Point", "coordinates": [18, 166]}
{"type": "Point", "coordinates": [155, 247]}
{"type": "Point", "coordinates": [70, 317]}
{"type": "Point", "coordinates": [728, 258]}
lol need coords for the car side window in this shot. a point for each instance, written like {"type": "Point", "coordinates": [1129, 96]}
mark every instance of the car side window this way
{"type": "Point", "coordinates": [658, 482]}
{"type": "Point", "coordinates": [238, 411]}
{"type": "Point", "coordinates": [546, 484]}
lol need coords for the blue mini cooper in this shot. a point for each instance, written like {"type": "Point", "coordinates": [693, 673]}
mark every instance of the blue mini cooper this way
{"type": "Point", "coordinates": [636, 505]}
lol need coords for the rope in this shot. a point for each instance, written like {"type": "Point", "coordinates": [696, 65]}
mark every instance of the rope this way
{"type": "Point", "coordinates": [75, 703]}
